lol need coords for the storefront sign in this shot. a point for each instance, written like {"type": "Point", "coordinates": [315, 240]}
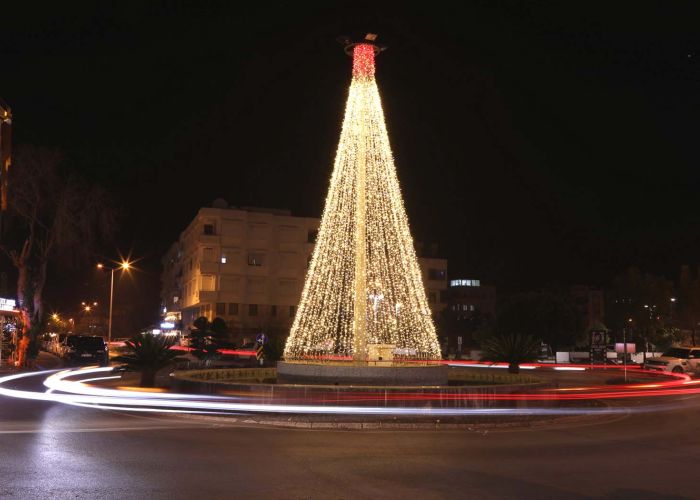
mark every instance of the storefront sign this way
{"type": "Point", "coordinates": [7, 304]}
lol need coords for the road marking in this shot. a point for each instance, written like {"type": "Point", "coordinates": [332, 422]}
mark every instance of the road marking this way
{"type": "Point", "coordinates": [98, 429]}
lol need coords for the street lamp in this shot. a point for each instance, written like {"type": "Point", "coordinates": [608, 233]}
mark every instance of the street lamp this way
{"type": "Point", "coordinates": [124, 266]}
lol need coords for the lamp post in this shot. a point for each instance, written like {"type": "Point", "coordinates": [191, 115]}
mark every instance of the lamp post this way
{"type": "Point", "coordinates": [124, 266]}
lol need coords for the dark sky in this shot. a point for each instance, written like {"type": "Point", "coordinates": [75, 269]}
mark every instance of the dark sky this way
{"type": "Point", "coordinates": [536, 142]}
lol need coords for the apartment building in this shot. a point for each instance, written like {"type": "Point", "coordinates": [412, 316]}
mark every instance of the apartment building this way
{"type": "Point", "coordinates": [247, 265]}
{"type": "Point", "coordinates": [468, 296]}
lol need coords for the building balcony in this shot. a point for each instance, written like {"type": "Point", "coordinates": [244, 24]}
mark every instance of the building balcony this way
{"type": "Point", "coordinates": [208, 297]}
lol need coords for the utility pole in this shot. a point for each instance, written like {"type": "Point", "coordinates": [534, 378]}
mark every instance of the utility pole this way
{"type": "Point", "coordinates": [124, 266]}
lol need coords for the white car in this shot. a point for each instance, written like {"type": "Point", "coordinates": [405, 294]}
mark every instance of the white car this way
{"type": "Point", "coordinates": [676, 360]}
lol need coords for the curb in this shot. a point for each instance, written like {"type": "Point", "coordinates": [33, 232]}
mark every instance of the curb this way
{"type": "Point", "coordinates": [417, 426]}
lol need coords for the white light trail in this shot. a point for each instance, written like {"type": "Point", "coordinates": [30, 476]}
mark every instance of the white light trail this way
{"type": "Point", "coordinates": [188, 403]}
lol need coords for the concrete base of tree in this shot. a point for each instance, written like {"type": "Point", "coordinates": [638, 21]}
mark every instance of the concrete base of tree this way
{"type": "Point", "coordinates": [291, 372]}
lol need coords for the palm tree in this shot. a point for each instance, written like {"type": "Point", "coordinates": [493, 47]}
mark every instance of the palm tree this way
{"type": "Point", "coordinates": [513, 348]}
{"type": "Point", "coordinates": [149, 354]}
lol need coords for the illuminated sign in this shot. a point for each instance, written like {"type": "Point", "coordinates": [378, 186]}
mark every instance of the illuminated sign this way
{"type": "Point", "coordinates": [7, 304]}
{"type": "Point", "coordinates": [167, 325]}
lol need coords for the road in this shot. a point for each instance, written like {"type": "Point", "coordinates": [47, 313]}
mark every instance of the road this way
{"type": "Point", "coordinates": [49, 450]}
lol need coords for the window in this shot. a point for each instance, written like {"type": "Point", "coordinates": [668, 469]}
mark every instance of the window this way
{"type": "Point", "coordinates": [209, 229]}
{"type": "Point", "coordinates": [678, 352]}
{"type": "Point", "coordinates": [292, 311]}
{"type": "Point", "coordinates": [465, 283]}
{"type": "Point", "coordinates": [205, 311]}
{"type": "Point", "coordinates": [436, 274]}
{"type": "Point", "coordinates": [255, 259]}
{"type": "Point", "coordinates": [232, 309]}
{"type": "Point", "coordinates": [432, 297]}
{"type": "Point", "coordinates": [220, 308]}
{"type": "Point", "coordinates": [312, 235]}
{"type": "Point", "coordinates": [273, 310]}
{"type": "Point", "coordinates": [252, 309]}
{"type": "Point", "coordinates": [208, 254]}
{"type": "Point", "coordinates": [223, 258]}
{"type": "Point", "coordinates": [208, 283]}
{"type": "Point", "coordinates": [229, 283]}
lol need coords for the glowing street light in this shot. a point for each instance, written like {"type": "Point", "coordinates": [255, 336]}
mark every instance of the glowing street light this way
{"type": "Point", "coordinates": [123, 266]}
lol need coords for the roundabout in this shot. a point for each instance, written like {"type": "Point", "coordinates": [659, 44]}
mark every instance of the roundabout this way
{"type": "Point", "coordinates": [544, 396]}
{"type": "Point", "coordinates": [88, 430]}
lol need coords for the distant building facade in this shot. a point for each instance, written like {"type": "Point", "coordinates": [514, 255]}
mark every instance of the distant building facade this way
{"type": "Point", "coordinates": [247, 265]}
{"type": "Point", "coordinates": [466, 297]}
{"type": "Point", "coordinates": [244, 265]}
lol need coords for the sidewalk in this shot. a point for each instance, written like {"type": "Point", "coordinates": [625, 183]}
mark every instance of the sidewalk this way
{"type": "Point", "coordinates": [45, 361]}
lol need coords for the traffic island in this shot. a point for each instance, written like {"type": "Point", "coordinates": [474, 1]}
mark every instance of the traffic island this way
{"type": "Point", "coordinates": [349, 373]}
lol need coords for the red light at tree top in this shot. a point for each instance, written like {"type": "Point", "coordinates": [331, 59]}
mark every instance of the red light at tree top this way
{"type": "Point", "coordinates": [363, 61]}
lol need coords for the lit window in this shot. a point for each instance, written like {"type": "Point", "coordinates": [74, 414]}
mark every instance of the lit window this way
{"type": "Point", "coordinates": [465, 283]}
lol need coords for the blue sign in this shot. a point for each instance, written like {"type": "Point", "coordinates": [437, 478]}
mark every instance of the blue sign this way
{"type": "Point", "coordinates": [261, 338]}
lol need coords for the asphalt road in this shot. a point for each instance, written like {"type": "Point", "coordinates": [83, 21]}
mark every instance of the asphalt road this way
{"type": "Point", "coordinates": [56, 451]}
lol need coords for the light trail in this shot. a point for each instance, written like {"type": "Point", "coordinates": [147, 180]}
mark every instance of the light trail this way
{"type": "Point", "coordinates": [62, 389]}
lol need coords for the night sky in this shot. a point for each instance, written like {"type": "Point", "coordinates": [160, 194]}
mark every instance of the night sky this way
{"type": "Point", "coordinates": [537, 143]}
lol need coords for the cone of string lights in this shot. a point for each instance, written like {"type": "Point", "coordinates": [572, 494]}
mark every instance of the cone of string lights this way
{"type": "Point", "coordinates": [363, 287]}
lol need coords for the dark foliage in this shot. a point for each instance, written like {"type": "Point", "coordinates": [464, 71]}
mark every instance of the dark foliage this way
{"type": "Point", "coordinates": [148, 354]}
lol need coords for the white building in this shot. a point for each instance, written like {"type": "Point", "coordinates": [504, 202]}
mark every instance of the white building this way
{"type": "Point", "coordinates": [247, 265]}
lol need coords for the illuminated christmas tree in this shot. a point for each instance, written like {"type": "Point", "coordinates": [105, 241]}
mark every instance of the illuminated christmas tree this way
{"type": "Point", "coordinates": [364, 284]}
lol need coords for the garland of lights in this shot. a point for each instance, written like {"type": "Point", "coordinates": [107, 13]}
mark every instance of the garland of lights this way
{"type": "Point", "coordinates": [364, 261]}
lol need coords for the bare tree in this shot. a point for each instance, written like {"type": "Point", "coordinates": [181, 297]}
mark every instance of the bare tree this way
{"type": "Point", "coordinates": [53, 215]}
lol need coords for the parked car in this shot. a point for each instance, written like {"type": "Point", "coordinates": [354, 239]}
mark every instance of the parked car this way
{"type": "Point", "coordinates": [676, 360]}
{"type": "Point", "coordinates": [89, 349]}
{"type": "Point", "coordinates": [55, 345]}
